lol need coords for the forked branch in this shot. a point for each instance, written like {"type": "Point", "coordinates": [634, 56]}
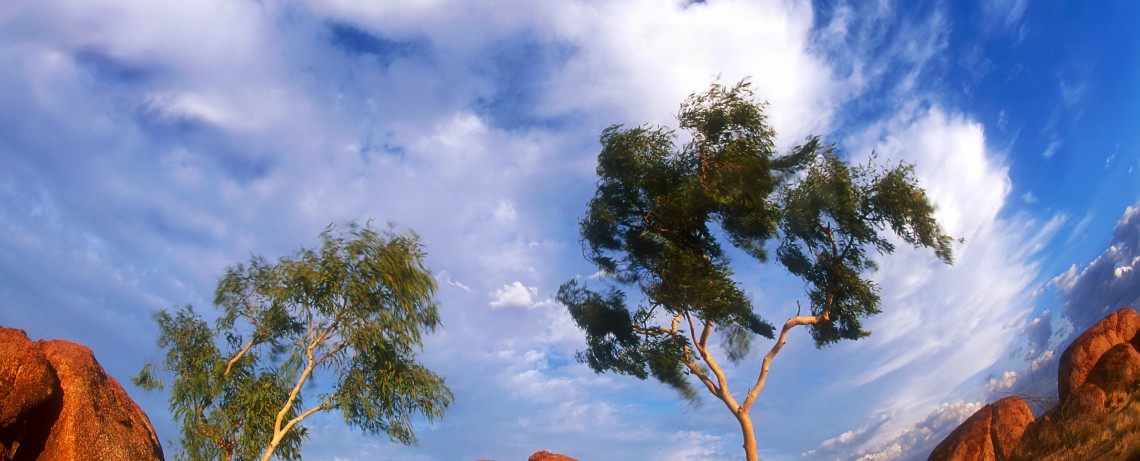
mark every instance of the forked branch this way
{"type": "Point", "coordinates": [783, 339]}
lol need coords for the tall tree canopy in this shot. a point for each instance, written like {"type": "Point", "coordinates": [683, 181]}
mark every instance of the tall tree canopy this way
{"type": "Point", "coordinates": [333, 329]}
{"type": "Point", "coordinates": [661, 216]}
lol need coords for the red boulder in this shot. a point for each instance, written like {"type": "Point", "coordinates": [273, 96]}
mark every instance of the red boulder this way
{"type": "Point", "coordinates": [548, 456]}
{"type": "Point", "coordinates": [57, 403]}
{"type": "Point", "coordinates": [991, 433]}
{"type": "Point", "coordinates": [1117, 373]}
{"type": "Point", "coordinates": [1082, 355]}
{"type": "Point", "coordinates": [30, 396]}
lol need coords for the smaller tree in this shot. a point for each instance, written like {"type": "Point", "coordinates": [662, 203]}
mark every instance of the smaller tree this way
{"type": "Point", "coordinates": [351, 312]}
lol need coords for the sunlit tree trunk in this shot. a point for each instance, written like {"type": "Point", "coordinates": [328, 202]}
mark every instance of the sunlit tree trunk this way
{"type": "Point", "coordinates": [749, 436]}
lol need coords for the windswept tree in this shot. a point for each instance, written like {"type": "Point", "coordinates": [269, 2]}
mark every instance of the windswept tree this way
{"type": "Point", "coordinates": [662, 215]}
{"type": "Point", "coordinates": [333, 329]}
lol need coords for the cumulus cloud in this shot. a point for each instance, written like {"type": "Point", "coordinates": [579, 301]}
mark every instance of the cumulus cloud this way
{"type": "Point", "coordinates": [1038, 332]}
{"type": "Point", "coordinates": [917, 441]}
{"type": "Point", "coordinates": [1042, 361]}
{"type": "Point", "coordinates": [514, 294]}
{"type": "Point", "coordinates": [844, 444]}
{"type": "Point", "coordinates": [624, 46]}
{"type": "Point", "coordinates": [1002, 384]}
{"type": "Point", "coordinates": [1109, 282]}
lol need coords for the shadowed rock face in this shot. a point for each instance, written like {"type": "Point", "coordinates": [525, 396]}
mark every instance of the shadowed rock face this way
{"type": "Point", "coordinates": [1082, 355]}
{"type": "Point", "coordinates": [1098, 371]}
{"type": "Point", "coordinates": [30, 396]}
{"type": "Point", "coordinates": [1011, 418]}
{"type": "Point", "coordinates": [1117, 373]}
{"type": "Point", "coordinates": [992, 433]}
{"type": "Point", "coordinates": [63, 406]}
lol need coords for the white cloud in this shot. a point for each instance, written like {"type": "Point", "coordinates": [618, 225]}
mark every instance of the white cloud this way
{"type": "Point", "coordinates": [843, 445]}
{"type": "Point", "coordinates": [1004, 14]}
{"type": "Point", "coordinates": [881, 57]}
{"type": "Point", "coordinates": [997, 386]}
{"type": "Point", "coordinates": [1109, 282]}
{"type": "Point", "coordinates": [514, 294]}
{"type": "Point", "coordinates": [1078, 230]}
{"type": "Point", "coordinates": [458, 284]}
{"type": "Point", "coordinates": [1041, 361]}
{"type": "Point", "coordinates": [1073, 93]}
{"type": "Point", "coordinates": [944, 324]}
{"type": "Point", "coordinates": [1037, 333]}
{"type": "Point", "coordinates": [1065, 280]}
{"type": "Point", "coordinates": [625, 46]}
{"type": "Point", "coordinates": [692, 446]}
{"type": "Point", "coordinates": [967, 183]}
{"type": "Point", "coordinates": [505, 211]}
{"type": "Point", "coordinates": [917, 441]}
{"type": "Point", "coordinates": [1052, 148]}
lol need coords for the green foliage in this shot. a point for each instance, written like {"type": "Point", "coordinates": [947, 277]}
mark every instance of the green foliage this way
{"type": "Point", "coordinates": [832, 217]}
{"type": "Point", "coordinates": [351, 312]}
{"type": "Point", "coordinates": [612, 343]}
{"type": "Point", "coordinates": [659, 213]}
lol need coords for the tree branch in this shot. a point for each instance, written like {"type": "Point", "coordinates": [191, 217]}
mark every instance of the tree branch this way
{"type": "Point", "coordinates": [329, 353]}
{"type": "Point", "coordinates": [831, 236]}
{"type": "Point", "coordinates": [705, 334]}
{"type": "Point", "coordinates": [692, 331]}
{"type": "Point", "coordinates": [318, 407]}
{"type": "Point", "coordinates": [230, 364]}
{"type": "Point", "coordinates": [310, 365]}
{"type": "Point", "coordinates": [763, 378]}
{"type": "Point", "coordinates": [722, 383]}
{"type": "Point", "coordinates": [659, 330]}
{"type": "Point", "coordinates": [696, 370]}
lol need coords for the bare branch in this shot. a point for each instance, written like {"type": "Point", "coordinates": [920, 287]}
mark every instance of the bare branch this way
{"type": "Point", "coordinates": [306, 413]}
{"type": "Point", "coordinates": [310, 365]}
{"type": "Point", "coordinates": [237, 357]}
{"type": "Point", "coordinates": [700, 373]}
{"type": "Point", "coordinates": [705, 334]}
{"type": "Point", "coordinates": [651, 331]}
{"type": "Point", "coordinates": [783, 339]}
{"type": "Point", "coordinates": [692, 331]}
{"type": "Point", "coordinates": [722, 383]}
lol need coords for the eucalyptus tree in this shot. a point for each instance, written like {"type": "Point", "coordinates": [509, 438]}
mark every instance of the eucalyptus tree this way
{"type": "Point", "coordinates": [333, 329]}
{"type": "Point", "coordinates": [661, 218]}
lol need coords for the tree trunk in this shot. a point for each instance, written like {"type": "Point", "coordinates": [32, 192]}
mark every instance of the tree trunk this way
{"type": "Point", "coordinates": [749, 435]}
{"type": "Point", "coordinates": [272, 446]}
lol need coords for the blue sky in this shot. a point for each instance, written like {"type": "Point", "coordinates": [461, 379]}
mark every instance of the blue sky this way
{"type": "Point", "coordinates": [145, 146]}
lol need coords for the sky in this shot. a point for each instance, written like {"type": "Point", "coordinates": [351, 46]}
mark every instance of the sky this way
{"type": "Point", "coordinates": [147, 146]}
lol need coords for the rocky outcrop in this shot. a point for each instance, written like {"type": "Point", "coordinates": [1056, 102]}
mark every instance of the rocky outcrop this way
{"type": "Point", "coordinates": [1082, 355]}
{"type": "Point", "coordinates": [991, 433]}
{"type": "Point", "coordinates": [63, 405]}
{"type": "Point", "coordinates": [30, 395]}
{"type": "Point", "coordinates": [548, 456]}
{"type": "Point", "coordinates": [1117, 373]}
{"type": "Point", "coordinates": [1098, 372]}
